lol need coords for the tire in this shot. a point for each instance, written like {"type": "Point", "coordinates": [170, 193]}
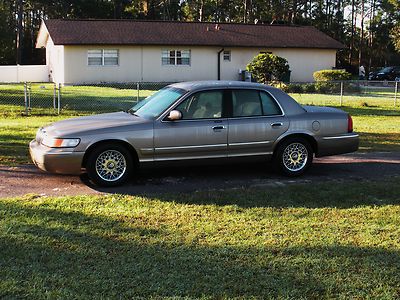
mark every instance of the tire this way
{"type": "Point", "coordinates": [293, 157]}
{"type": "Point", "coordinates": [109, 165]}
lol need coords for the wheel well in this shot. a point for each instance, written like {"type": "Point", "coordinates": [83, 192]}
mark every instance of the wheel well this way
{"type": "Point", "coordinates": [128, 146]}
{"type": "Point", "coordinates": [307, 137]}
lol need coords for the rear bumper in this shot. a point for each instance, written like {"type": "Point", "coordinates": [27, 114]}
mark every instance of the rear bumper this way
{"type": "Point", "coordinates": [61, 161]}
{"type": "Point", "coordinates": [331, 145]}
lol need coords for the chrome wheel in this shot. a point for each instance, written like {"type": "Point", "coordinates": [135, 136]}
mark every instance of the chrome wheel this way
{"type": "Point", "coordinates": [111, 165]}
{"type": "Point", "coordinates": [295, 157]}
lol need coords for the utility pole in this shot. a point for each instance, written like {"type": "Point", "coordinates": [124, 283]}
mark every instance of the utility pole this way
{"type": "Point", "coordinates": [352, 32]}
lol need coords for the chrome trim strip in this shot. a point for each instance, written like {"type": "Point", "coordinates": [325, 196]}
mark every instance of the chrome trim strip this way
{"type": "Point", "coordinates": [64, 153]}
{"type": "Point", "coordinates": [190, 157]}
{"type": "Point", "coordinates": [341, 137]}
{"type": "Point", "coordinates": [190, 147]}
{"type": "Point", "coordinates": [146, 150]}
{"type": "Point", "coordinates": [250, 154]}
{"type": "Point", "coordinates": [250, 143]}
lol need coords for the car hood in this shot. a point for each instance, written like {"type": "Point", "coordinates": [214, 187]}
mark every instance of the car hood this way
{"type": "Point", "coordinates": [73, 126]}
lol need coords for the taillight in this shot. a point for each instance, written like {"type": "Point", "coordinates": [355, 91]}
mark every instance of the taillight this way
{"type": "Point", "coordinates": [349, 124]}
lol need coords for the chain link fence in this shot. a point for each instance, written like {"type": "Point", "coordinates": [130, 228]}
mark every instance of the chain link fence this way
{"type": "Point", "coordinates": [75, 99]}
{"type": "Point", "coordinates": [345, 93]}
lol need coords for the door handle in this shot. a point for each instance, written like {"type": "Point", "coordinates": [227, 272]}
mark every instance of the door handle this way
{"type": "Point", "coordinates": [276, 124]}
{"type": "Point", "coordinates": [215, 128]}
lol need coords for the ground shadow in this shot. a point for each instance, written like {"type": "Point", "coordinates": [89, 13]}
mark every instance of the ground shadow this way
{"type": "Point", "coordinates": [326, 184]}
{"type": "Point", "coordinates": [49, 253]}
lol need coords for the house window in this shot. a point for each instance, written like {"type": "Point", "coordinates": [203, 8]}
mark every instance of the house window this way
{"type": "Point", "coordinates": [103, 57]}
{"type": "Point", "coordinates": [227, 55]}
{"type": "Point", "coordinates": [175, 57]}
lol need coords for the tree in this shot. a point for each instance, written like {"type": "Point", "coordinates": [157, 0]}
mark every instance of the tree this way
{"type": "Point", "coordinates": [267, 67]}
{"type": "Point", "coordinates": [395, 34]}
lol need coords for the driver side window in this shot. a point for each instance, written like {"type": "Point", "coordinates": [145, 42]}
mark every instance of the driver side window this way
{"type": "Point", "coordinates": [202, 105]}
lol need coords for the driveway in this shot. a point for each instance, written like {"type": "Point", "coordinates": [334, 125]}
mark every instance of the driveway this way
{"type": "Point", "coordinates": [27, 179]}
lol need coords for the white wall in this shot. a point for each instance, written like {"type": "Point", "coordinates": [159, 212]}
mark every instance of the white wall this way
{"type": "Point", "coordinates": [55, 61]}
{"type": "Point", "coordinates": [302, 62]}
{"type": "Point", "coordinates": [69, 64]}
{"type": "Point", "coordinates": [76, 68]}
{"type": "Point", "coordinates": [203, 64]}
{"type": "Point", "coordinates": [137, 63]}
{"type": "Point", "coordinates": [23, 73]}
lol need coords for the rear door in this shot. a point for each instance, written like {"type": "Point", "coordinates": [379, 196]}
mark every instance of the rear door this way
{"type": "Point", "coordinates": [201, 133]}
{"type": "Point", "coordinates": [256, 122]}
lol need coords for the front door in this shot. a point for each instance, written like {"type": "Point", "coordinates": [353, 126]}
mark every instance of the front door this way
{"type": "Point", "coordinates": [201, 133]}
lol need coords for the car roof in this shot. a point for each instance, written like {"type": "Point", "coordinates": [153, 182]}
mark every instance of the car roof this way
{"type": "Point", "coordinates": [200, 85]}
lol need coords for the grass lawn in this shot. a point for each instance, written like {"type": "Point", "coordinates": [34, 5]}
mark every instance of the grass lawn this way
{"type": "Point", "coordinates": [74, 98]}
{"type": "Point", "coordinates": [329, 240]}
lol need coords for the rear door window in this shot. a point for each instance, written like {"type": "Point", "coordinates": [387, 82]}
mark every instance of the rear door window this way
{"type": "Point", "coordinates": [246, 103]}
{"type": "Point", "coordinates": [252, 103]}
{"type": "Point", "coordinates": [270, 107]}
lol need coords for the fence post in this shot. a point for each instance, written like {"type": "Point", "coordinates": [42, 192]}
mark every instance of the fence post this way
{"type": "Point", "coordinates": [25, 99]}
{"type": "Point", "coordinates": [395, 93]}
{"type": "Point", "coordinates": [138, 91]}
{"type": "Point", "coordinates": [29, 89]}
{"type": "Point", "coordinates": [341, 93]}
{"type": "Point", "coordinates": [59, 99]}
{"type": "Point", "coordinates": [54, 95]}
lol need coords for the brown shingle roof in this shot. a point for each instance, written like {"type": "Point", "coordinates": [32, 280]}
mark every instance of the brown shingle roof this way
{"type": "Point", "coordinates": [130, 32]}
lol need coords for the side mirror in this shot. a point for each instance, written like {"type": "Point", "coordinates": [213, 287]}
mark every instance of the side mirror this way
{"type": "Point", "coordinates": [174, 115]}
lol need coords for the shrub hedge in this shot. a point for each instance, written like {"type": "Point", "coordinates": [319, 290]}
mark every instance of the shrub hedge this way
{"type": "Point", "coordinates": [331, 75]}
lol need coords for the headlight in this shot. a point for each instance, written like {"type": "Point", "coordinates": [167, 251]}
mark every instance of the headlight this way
{"type": "Point", "coordinates": [60, 143]}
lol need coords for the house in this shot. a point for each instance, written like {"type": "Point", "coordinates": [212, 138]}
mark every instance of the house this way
{"type": "Point", "coordinates": [89, 51]}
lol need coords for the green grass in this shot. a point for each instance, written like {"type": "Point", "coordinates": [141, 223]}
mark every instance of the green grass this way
{"type": "Point", "coordinates": [81, 99]}
{"type": "Point", "coordinates": [374, 100]}
{"type": "Point", "coordinates": [330, 240]}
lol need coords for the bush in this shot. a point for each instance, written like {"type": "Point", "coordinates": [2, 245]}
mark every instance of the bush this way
{"type": "Point", "coordinates": [331, 75]}
{"type": "Point", "coordinates": [294, 88]}
{"type": "Point", "coordinates": [266, 67]}
{"type": "Point", "coordinates": [309, 88]}
{"type": "Point", "coordinates": [327, 87]}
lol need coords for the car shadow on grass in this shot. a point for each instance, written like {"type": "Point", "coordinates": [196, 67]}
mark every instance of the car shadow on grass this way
{"type": "Point", "coordinates": [49, 253]}
{"type": "Point", "coordinates": [328, 183]}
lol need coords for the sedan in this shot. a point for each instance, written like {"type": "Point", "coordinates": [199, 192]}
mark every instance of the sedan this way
{"type": "Point", "coordinates": [388, 73]}
{"type": "Point", "coordinates": [189, 122]}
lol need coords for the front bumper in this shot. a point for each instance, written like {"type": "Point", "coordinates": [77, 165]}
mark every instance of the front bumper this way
{"type": "Point", "coordinates": [332, 145]}
{"type": "Point", "coordinates": [61, 161]}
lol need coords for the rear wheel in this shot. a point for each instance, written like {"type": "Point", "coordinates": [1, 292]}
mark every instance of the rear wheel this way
{"type": "Point", "coordinates": [293, 157]}
{"type": "Point", "coordinates": [109, 165]}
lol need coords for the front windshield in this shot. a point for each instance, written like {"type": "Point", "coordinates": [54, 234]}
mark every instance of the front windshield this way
{"type": "Point", "coordinates": [156, 104]}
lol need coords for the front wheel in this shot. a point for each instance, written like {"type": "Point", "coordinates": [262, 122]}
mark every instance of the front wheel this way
{"type": "Point", "coordinates": [109, 165]}
{"type": "Point", "coordinates": [293, 157]}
